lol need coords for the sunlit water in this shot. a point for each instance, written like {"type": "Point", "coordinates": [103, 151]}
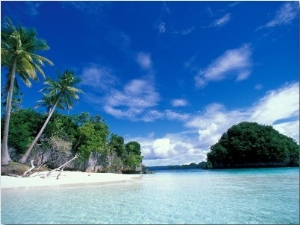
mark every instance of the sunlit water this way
{"type": "Point", "coordinates": [243, 196]}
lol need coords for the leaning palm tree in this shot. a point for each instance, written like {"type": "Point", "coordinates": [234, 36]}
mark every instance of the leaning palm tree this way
{"type": "Point", "coordinates": [19, 46]}
{"type": "Point", "coordinates": [59, 94]}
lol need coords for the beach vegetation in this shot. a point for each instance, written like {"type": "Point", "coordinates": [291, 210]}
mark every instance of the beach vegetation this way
{"type": "Point", "coordinates": [116, 144]}
{"type": "Point", "coordinates": [19, 48]}
{"type": "Point", "coordinates": [24, 125]}
{"type": "Point", "coordinates": [92, 137]}
{"type": "Point", "coordinates": [57, 94]}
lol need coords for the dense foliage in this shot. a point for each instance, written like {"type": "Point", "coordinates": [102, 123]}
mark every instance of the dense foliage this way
{"type": "Point", "coordinates": [250, 144]}
{"type": "Point", "coordinates": [84, 133]}
{"type": "Point", "coordinates": [24, 125]}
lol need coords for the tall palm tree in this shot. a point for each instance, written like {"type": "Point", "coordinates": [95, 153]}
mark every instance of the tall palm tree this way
{"type": "Point", "coordinates": [19, 46]}
{"type": "Point", "coordinates": [59, 94]}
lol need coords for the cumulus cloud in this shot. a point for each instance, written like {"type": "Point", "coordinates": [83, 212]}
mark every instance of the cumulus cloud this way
{"type": "Point", "coordinates": [213, 122]}
{"type": "Point", "coordinates": [287, 13]}
{"type": "Point", "coordinates": [276, 106]}
{"type": "Point", "coordinates": [235, 62]}
{"type": "Point", "coordinates": [179, 102]}
{"type": "Point", "coordinates": [144, 60]}
{"type": "Point", "coordinates": [170, 149]}
{"type": "Point", "coordinates": [222, 21]}
{"type": "Point", "coordinates": [279, 108]}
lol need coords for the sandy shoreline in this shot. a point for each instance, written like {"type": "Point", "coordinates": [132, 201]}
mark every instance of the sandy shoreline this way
{"type": "Point", "coordinates": [66, 178]}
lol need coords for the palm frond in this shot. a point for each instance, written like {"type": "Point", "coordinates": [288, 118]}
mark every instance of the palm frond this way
{"type": "Point", "coordinates": [23, 44]}
{"type": "Point", "coordinates": [64, 87]}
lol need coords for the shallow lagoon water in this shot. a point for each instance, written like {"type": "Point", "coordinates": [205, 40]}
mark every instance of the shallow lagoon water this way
{"type": "Point", "coordinates": [234, 196]}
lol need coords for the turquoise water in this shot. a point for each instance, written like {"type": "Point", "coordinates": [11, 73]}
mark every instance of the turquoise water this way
{"type": "Point", "coordinates": [237, 196]}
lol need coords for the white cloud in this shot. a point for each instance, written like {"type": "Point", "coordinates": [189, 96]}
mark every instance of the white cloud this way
{"type": "Point", "coordinates": [162, 148]}
{"type": "Point", "coordinates": [287, 13]}
{"type": "Point", "coordinates": [171, 115]}
{"type": "Point", "coordinates": [144, 60]}
{"type": "Point", "coordinates": [279, 108]}
{"type": "Point", "coordinates": [152, 115]}
{"type": "Point", "coordinates": [168, 114]}
{"type": "Point", "coordinates": [222, 21]}
{"type": "Point", "coordinates": [213, 122]}
{"type": "Point", "coordinates": [232, 62]}
{"type": "Point", "coordinates": [179, 102]}
{"type": "Point", "coordinates": [136, 96]}
{"type": "Point", "coordinates": [275, 106]}
{"type": "Point", "coordinates": [170, 149]}
{"type": "Point", "coordinates": [98, 77]}
{"type": "Point", "coordinates": [136, 101]}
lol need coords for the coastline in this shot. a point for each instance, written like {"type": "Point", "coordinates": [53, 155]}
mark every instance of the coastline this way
{"type": "Point", "coordinates": [66, 178]}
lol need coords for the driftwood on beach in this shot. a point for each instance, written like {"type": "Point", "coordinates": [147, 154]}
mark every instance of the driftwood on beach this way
{"type": "Point", "coordinates": [61, 168]}
{"type": "Point", "coordinates": [29, 172]}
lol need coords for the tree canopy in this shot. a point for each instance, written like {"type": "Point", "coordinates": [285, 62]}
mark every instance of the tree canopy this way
{"type": "Point", "coordinates": [250, 144]}
{"type": "Point", "coordinates": [19, 48]}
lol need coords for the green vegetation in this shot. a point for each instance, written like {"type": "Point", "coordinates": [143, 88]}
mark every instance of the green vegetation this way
{"type": "Point", "coordinates": [18, 55]}
{"type": "Point", "coordinates": [54, 138]}
{"type": "Point", "coordinates": [80, 134]}
{"type": "Point", "coordinates": [58, 94]}
{"type": "Point", "coordinates": [252, 145]}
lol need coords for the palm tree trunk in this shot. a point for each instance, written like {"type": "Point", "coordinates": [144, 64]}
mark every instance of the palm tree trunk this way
{"type": "Point", "coordinates": [25, 156]}
{"type": "Point", "coordinates": [5, 158]}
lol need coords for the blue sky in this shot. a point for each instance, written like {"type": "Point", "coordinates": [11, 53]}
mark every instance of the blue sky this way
{"type": "Point", "coordinates": [173, 76]}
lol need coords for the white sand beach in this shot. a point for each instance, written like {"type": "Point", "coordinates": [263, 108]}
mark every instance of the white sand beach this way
{"type": "Point", "coordinates": [66, 178]}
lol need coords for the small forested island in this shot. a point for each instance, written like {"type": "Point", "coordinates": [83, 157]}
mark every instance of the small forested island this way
{"type": "Point", "coordinates": [249, 144]}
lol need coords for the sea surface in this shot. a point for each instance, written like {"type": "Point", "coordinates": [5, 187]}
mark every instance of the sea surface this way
{"type": "Point", "coordinates": [232, 196]}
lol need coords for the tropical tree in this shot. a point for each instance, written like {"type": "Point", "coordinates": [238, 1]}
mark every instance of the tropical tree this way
{"type": "Point", "coordinates": [57, 94]}
{"type": "Point", "coordinates": [133, 157]}
{"type": "Point", "coordinates": [252, 144]}
{"type": "Point", "coordinates": [116, 144]}
{"type": "Point", "coordinates": [19, 46]}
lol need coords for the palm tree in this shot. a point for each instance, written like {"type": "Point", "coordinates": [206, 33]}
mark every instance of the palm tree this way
{"type": "Point", "coordinates": [59, 94]}
{"type": "Point", "coordinates": [18, 55]}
